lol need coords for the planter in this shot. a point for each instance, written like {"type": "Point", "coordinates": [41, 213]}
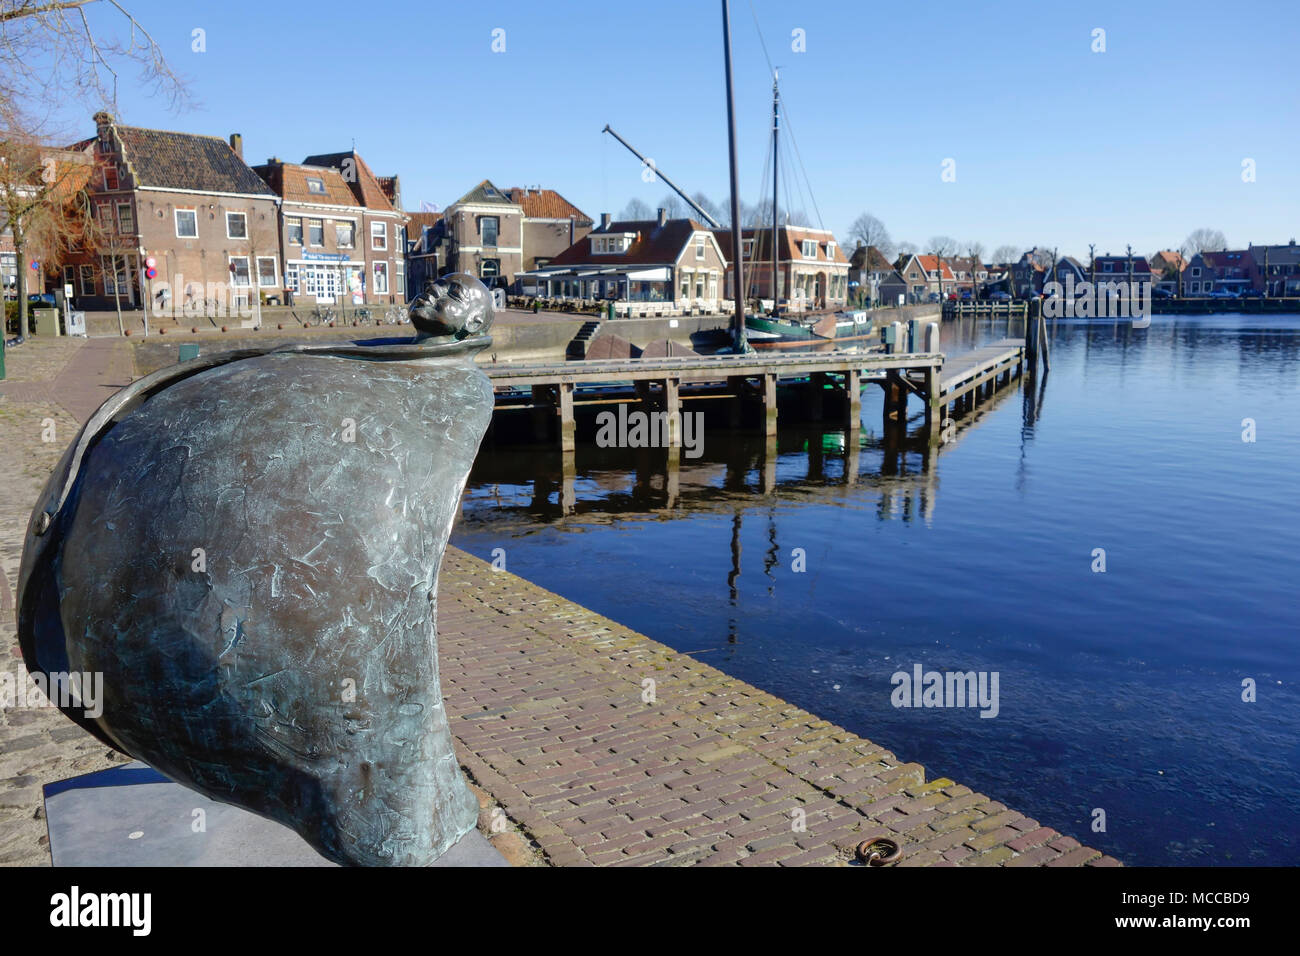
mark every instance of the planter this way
{"type": "Point", "coordinates": [290, 666]}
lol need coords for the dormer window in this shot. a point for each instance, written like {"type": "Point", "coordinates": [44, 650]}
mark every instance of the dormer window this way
{"type": "Point", "coordinates": [316, 185]}
{"type": "Point", "coordinates": [747, 247]}
{"type": "Point", "coordinates": [830, 250]}
{"type": "Point", "coordinates": [809, 248]}
{"type": "Point", "coordinates": [699, 247]}
{"type": "Point", "coordinates": [611, 244]}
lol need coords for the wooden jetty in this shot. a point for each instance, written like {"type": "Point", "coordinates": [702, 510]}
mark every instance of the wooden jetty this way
{"type": "Point", "coordinates": [556, 389]}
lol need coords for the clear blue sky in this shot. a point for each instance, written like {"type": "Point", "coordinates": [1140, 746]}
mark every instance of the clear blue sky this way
{"type": "Point", "coordinates": [1053, 143]}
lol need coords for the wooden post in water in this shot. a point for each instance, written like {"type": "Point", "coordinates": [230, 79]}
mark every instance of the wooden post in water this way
{"type": "Point", "coordinates": [673, 407]}
{"type": "Point", "coordinates": [769, 404]}
{"type": "Point", "coordinates": [567, 426]}
{"type": "Point", "coordinates": [816, 396]}
{"type": "Point", "coordinates": [853, 392]}
{"type": "Point", "coordinates": [541, 412]}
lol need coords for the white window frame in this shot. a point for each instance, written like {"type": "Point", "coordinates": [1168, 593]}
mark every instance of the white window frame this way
{"type": "Point", "coordinates": [130, 213]}
{"type": "Point", "coordinates": [699, 247]}
{"type": "Point", "coordinates": [234, 276]}
{"type": "Point", "coordinates": [177, 216]}
{"type": "Point", "coordinates": [351, 225]}
{"type": "Point", "coordinates": [288, 235]}
{"type": "Point", "coordinates": [307, 235]}
{"type": "Point", "coordinates": [380, 269]}
{"type": "Point", "coordinates": [378, 233]}
{"type": "Point", "coordinates": [275, 273]}
{"type": "Point", "coordinates": [239, 215]}
{"type": "Point", "coordinates": [808, 248]}
{"type": "Point", "coordinates": [315, 179]}
{"type": "Point", "coordinates": [86, 278]}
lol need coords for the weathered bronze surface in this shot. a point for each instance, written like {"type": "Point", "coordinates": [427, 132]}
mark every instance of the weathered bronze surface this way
{"type": "Point", "coordinates": [247, 547]}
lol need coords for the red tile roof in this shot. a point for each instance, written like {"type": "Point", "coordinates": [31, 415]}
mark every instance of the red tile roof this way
{"type": "Point", "coordinates": [289, 181]}
{"type": "Point", "coordinates": [789, 248]}
{"type": "Point", "coordinates": [363, 183]}
{"type": "Point", "coordinates": [653, 245]}
{"type": "Point", "coordinates": [546, 204]}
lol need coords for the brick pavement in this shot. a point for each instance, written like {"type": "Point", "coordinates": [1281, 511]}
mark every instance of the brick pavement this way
{"type": "Point", "coordinates": [546, 700]}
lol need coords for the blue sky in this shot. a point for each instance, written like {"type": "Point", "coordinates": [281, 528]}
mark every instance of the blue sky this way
{"type": "Point", "coordinates": [1052, 143]}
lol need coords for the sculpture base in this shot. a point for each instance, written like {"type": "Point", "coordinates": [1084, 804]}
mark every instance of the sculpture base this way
{"type": "Point", "coordinates": [134, 816]}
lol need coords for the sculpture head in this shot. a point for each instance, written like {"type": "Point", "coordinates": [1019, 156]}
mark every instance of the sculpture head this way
{"type": "Point", "coordinates": [456, 305]}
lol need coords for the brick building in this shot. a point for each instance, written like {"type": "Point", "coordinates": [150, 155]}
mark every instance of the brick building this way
{"type": "Point", "coordinates": [381, 230]}
{"type": "Point", "coordinates": [188, 201]}
{"type": "Point", "coordinates": [812, 269]}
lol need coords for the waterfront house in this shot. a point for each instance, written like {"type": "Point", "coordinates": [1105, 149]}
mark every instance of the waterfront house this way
{"type": "Point", "coordinates": [187, 201]}
{"type": "Point", "coordinates": [424, 245]}
{"type": "Point", "coordinates": [653, 266]}
{"type": "Point", "coordinates": [868, 270]}
{"type": "Point", "coordinates": [1064, 269]}
{"type": "Point", "coordinates": [924, 275]}
{"type": "Point", "coordinates": [381, 229]}
{"type": "Point", "coordinates": [1275, 270]}
{"type": "Point", "coordinates": [1167, 267]}
{"type": "Point", "coordinates": [1027, 274]}
{"type": "Point", "coordinates": [1124, 268]}
{"type": "Point", "coordinates": [812, 269]}
{"type": "Point", "coordinates": [1207, 272]}
{"type": "Point", "coordinates": [550, 224]}
{"type": "Point", "coordinates": [483, 235]}
{"type": "Point", "coordinates": [969, 274]}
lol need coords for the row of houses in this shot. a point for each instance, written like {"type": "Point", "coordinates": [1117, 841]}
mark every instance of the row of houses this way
{"type": "Point", "coordinates": [1268, 270]}
{"type": "Point", "coordinates": [182, 223]}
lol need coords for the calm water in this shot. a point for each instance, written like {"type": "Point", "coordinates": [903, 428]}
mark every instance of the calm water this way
{"type": "Point", "coordinates": [1119, 690]}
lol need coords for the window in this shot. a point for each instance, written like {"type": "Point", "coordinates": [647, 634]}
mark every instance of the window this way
{"type": "Point", "coordinates": [401, 278]}
{"type": "Point", "coordinates": [236, 225]}
{"type": "Point", "coordinates": [239, 271]}
{"type": "Point", "coordinates": [266, 272]}
{"type": "Point", "coordinates": [699, 247]}
{"type": "Point", "coordinates": [110, 177]}
{"type": "Point", "coordinates": [1106, 267]}
{"type": "Point", "coordinates": [69, 276]}
{"type": "Point", "coordinates": [87, 280]}
{"type": "Point", "coordinates": [117, 277]}
{"type": "Point", "coordinates": [315, 232]}
{"type": "Point", "coordinates": [686, 285]}
{"type": "Point", "coordinates": [1195, 272]}
{"type": "Point", "coordinates": [488, 228]}
{"type": "Point", "coordinates": [125, 220]}
{"type": "Point", "coordinates": [291, 277]}
{"type": "Point", "coordinates": [187, 224]}
{"type": "Point", "coordinates": [316, 185]}
{"type": "Point", "coordinates": [830, 250]}
{"type": "Point", "coordinates": [343, 234]}
{"type": "Point", "coordinates": [699, 285]}
{"type": "Point", "coordinates": [809, 248]}
{"type": "Point", "coordinates": [381, 278]}
{"type": "Point", "coordinates": [378, 236]}
{"type": "Point", "coordinates": [747, 247]}
{"type": "Point", "coordinates": [490, 269]}
{"type": "Point", "coordinates": [104, 213]}
{"type": "Point", "coordinates": [293, 227]}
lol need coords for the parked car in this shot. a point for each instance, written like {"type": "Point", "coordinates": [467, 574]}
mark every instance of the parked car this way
{"type": "Point", "coordinates": [999, 296]}
{"type": "Point", "coordinates": [1223, 294]}
{"type": "Point", "coordinates": [934, 297]}
{"type": "Point", "coordinates": [1252, 294]}
{"type": "Point", "coordinates": [965, 295]}
{"type": "Point", "coordinates": [1161, 294]}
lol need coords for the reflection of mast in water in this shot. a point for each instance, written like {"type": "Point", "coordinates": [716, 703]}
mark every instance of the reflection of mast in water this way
{"type": "Point", "coordinates": [732, 575]}
{"type": "Point", "coordinates": [770, 558]}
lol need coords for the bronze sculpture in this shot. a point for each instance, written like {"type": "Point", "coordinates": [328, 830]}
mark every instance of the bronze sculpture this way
{"type": "Point", "coordinates": [247, 547]}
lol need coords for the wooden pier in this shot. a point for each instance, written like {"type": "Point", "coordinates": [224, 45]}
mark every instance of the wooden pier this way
{"type": "Point", "coordinates": [663, 385]}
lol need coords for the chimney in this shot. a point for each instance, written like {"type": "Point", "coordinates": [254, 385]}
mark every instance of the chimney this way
{"type": "Point", "coordinates": [604, 220]}
{"type": "Point", "coordinates": [663, 215]}
{"type": "Point", "coordinates": [237, 144]}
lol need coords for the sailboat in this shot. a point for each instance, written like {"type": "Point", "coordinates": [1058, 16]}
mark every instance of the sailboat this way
{"type": "Point", "coordinates": [776, 329]}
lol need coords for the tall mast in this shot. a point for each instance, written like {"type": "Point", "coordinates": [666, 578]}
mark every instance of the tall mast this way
{"type": "Point", "coordinates": [738, 286]}
{"type": "Point", "coordinates": [776, 130]}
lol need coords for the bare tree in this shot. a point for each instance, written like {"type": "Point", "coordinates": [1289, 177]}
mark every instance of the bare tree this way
{"type": "Point", "coordinates": [1005, 254]}
{"type": "Point", "coordinates": [673, 206]}
{"type": "Point", "coordinates": [905, 248]}
{"type": "Point", "coordinates": [722, 213]}
{"type": "Point", "coordinates": [41, 204]}
{"type": "Point", "coordinates": [71, 51]}
{"type": "Point", "coordinates": [1203, 240]}
{"type": "Point", "coordinates": [870, 231]}
{"type": "Point", "coordinates": [974, 249]}
{"type": "Point", "coordinates": [635, 210]}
